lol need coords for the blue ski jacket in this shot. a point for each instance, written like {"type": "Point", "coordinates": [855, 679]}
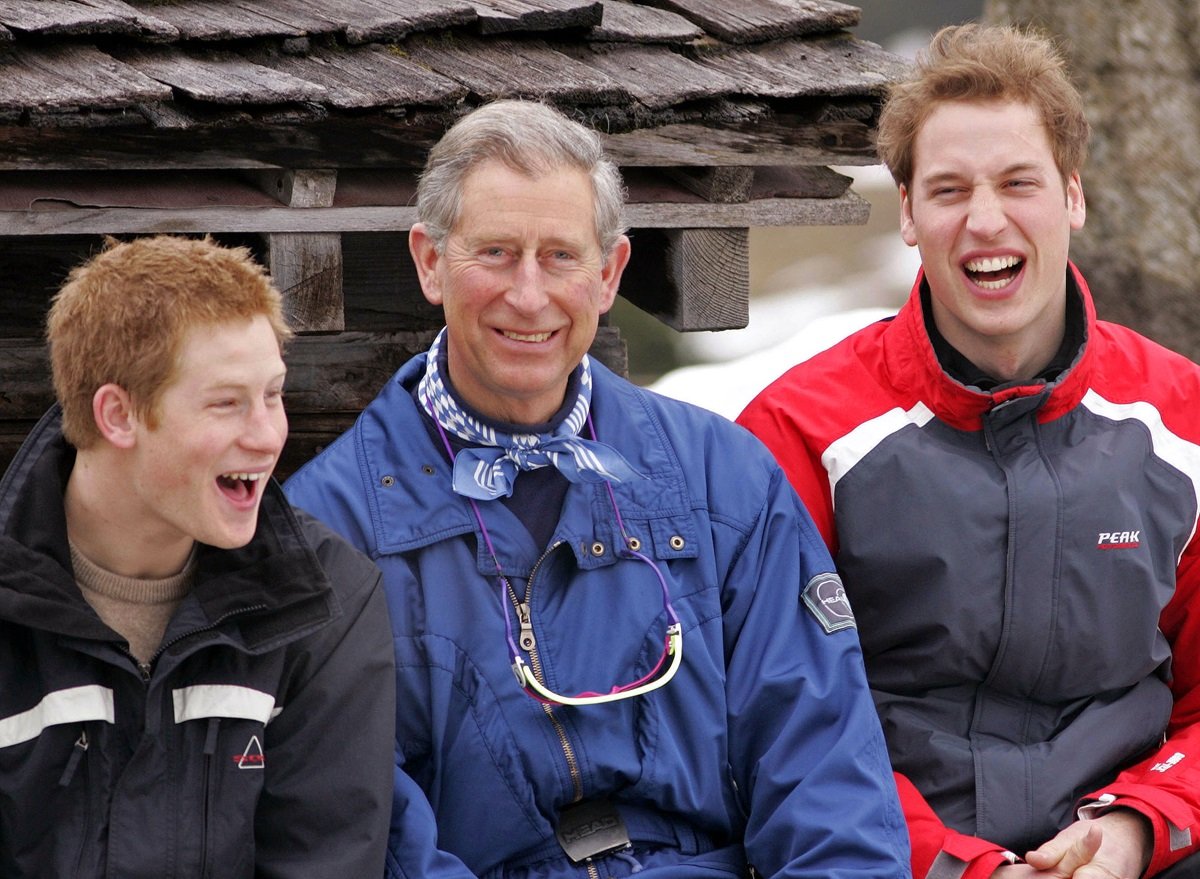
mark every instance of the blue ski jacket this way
{"type": "Point", "coordinates": [764, 750]}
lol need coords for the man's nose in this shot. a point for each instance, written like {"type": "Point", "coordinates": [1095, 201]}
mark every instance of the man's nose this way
{"type": "Point", "coordinates": [527, 293]}
{"type": "Point", "coordinates": [985, 213]}
{"type": "Point", "coordinates": [265, 428]}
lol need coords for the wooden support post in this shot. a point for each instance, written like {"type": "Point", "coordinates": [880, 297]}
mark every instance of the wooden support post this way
{"type": "Point", "coordinates": [691, 279]}
{"type": "Point", "coordinates": [307, 269]}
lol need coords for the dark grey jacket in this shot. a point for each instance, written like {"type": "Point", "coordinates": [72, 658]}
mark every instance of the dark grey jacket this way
{"type": "Point", "coordinates": [260, 744]}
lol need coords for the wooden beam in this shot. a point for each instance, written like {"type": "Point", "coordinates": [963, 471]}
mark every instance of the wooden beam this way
{"type": "Point", "coordinates": [298, 188]}
{"type": "Point", "coordinates": [844, 142]}
{"type": "Point", "coordinates": [691, 279]}
{"type": "Point", "coordinates": [723, 184]}
{"type": "Point", "coordinates": [805, 182]}
{"type": "Point", "coordinates": [847, 209]}
{"type": "Point", "coordinates": [741, 134]}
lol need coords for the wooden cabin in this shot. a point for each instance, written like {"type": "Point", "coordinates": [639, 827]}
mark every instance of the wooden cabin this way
{"type": "Point", "coordinates": [297, 128]}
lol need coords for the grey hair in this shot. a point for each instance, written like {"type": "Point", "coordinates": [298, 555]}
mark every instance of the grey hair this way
{"type": "Point", "coordinates": [530, 138]}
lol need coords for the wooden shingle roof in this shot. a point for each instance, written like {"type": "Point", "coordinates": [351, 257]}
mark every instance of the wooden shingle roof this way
{"type": "Point", "coordinates": [166, 68]}
{"type": "Point", "coordinates": [298, 128]}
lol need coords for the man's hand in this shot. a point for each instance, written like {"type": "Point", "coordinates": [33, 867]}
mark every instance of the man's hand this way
{"type": "Point", "coordinates": [1117, 845]}
{"type": "Point", "coordinates": [1067, 857]}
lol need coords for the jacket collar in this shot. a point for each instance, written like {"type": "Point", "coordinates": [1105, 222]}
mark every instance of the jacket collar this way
{"type": "Point", "coordinates": [914, 368]}
{"type": "Point", "coordinates": [408, 476]}
{"type": "Point", "coordinates": [264, 583]}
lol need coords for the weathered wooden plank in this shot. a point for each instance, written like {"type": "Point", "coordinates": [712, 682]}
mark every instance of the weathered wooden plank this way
{"type": "Point", "coordinates": [691, 279]}
{"type": "Point", "coordinates": [37, 191]}
{"type": "Point", "coordinates": [494, 69]}
{"type": "Point", "coordinates": [811, 182]}
{"type": "Point", "coordinates": [221, 77]}
{"type": "Point", "coordinates": [369, 76]}
{"type": "Point", "coordinates": [848, 209]}
{"type": "Point", "coordinates": [82, 17]}
{"type": "Point", "coordinates": [626, 22]}
{"type": "Point", "coordinates": [756, 21]}
{"type": "Point", "coordinates": [390, 142]}
{"type": "Point", "coordinates": [655, 75]}
{"type": "Point", "coordinates": [301, 18]}
{"type": "Point", "coordinates": [71, 76]}
{"type": "Point", "coordinates": [777, 141]}
{"type": "Point", "coordinates": [360, 21]}
{"type": "Point", "coordinates": [95, 122]}
{"type": "Point", "coordinates": [503, 16]}
{"type": "Point", "coordinates": [206, 20]}
{"type": "Point", "coordinates": [827, 66]}
{"type": "Point", "coordinates": [307, 269]}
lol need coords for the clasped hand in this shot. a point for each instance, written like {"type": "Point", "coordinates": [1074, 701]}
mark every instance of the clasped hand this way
{"type": "Point", "coordinates": [1117, 845]}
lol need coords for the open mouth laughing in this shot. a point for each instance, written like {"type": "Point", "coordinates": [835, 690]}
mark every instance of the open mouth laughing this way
{"type": "Point", "coordinates": [993, 272]}
{"type": "Point", "coordinates": [240, 486]}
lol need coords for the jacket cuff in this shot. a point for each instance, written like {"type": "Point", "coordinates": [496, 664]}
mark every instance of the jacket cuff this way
{"type": "Point", "coordinates": [968, 857]}
{"type": "Point", "coordinates": [1170, 819]}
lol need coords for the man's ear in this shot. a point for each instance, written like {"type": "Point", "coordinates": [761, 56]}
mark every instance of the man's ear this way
{"type": "Point", "coordinates": [908, 228]}
{"type": "Point", "coordinates": [425, 256]}
{"type": "Point", "coordinates": [112, 409]}
{"type": "Point", "coordinates": [1076, 205]}
{"type": "Point", "coordinates": [610, 274]}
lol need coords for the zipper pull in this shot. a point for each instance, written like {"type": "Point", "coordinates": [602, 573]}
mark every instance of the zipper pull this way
{"type": "Point", "coordinates": [77, 752]}
{"type": "Point", "coordinates": [526, 639]}
{"type": "Point", "coordinates": [144, 669]}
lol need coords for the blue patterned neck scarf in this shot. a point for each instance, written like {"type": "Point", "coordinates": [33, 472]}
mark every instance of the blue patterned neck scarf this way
{"type": "Point", "coordinates": [488, 470]}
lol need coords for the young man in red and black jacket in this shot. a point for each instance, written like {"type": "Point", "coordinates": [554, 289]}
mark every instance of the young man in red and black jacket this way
{"type": "Point", "coordinates": [1009, 488]}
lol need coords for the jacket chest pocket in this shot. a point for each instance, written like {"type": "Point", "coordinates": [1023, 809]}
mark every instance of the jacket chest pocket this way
{"type": "Point", "coordinates": [50, 776]}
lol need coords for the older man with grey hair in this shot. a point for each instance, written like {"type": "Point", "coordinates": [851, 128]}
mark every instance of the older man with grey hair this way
{"type": "Point", "coordinates": [621, 646]}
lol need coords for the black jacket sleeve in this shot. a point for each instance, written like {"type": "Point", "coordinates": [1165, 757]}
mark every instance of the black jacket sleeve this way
{"type": "Point", "coordinates": [326, 804]}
